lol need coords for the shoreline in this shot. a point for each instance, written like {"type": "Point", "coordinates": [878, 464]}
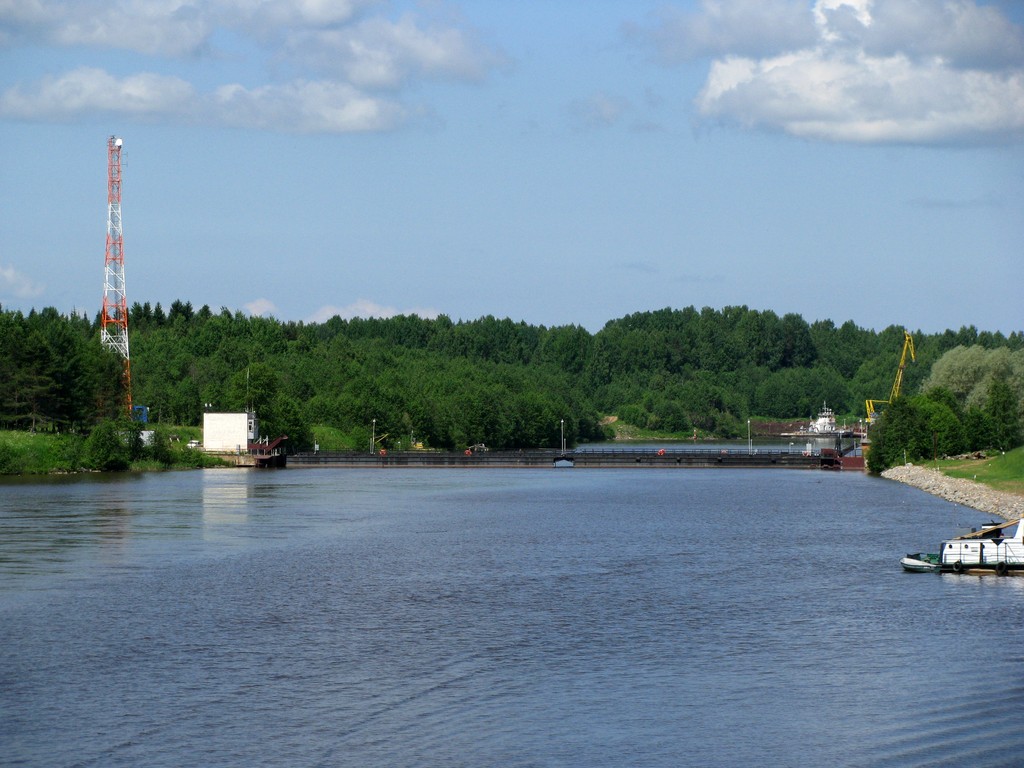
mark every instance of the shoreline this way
{"type": "Point", "coordinates": [967, 493]}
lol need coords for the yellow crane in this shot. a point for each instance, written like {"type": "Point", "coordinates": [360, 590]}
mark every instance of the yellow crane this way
{"type": "Point", "coordinates": [908, 346]}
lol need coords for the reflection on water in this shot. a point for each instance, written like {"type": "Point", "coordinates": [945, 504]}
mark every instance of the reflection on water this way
{"type": "Point", "coordinates": [224, 503]}
{"type": "Point", "coordinates": [46, 525]}
{"type": "Point", "coordinates": [74, 525]}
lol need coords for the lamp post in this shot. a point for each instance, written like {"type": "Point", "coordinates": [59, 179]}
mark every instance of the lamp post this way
{"type": "Point", "coordinates": [563, 435]}
{"type": "Point", "coordinates": [749, 445]}
{"type": "Point", "coordinates": [373, 436]}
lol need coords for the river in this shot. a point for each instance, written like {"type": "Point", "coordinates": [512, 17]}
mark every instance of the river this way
{"type": "Point", "coordinates": [484, 617]}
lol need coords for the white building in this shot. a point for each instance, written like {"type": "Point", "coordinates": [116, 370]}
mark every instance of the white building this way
{"type": "Point", "coordinates": [229, 432]}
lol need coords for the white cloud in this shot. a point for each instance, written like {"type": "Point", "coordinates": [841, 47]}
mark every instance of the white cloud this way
{"type": "Point", "coordinates": [367, 308]}
{"type": "Point", "coordinates": [89, 90]}
{"type": "Point", "coordinates": [298, 107]}
{"type": "Point", "coordinates": [324, 62]}
{"type": "Point", "coordinates": [163, 27]}
{"type": "Point", "coordinates": [260, 307]}
{"type": "Point", "coordinates": [379, 53]}
{"type": "Point", "coordinates": [274, 14]}
{"type": "Point", "coordinates": [14, 283]}
{"type": "Point", "coordinates": [963, 35]}
{"type": "Point", "coordinates": [891, 75]}
{"type": "Point", "coordinates": [735, 27]}
{"type": "Point", "coordinates": [303, 107]}
{"type": "Point", "coordinates": [864, 99]}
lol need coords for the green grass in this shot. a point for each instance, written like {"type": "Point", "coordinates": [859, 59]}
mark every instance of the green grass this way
{"type": "Point", "coordinates": [186, 458]}
{"type": "Point", "coordinates": [624, 431]}
{"type": "Point", "coordinates": [42, 453]}
{"type": "Point", "coordinates": [1003, 472]}
{"type": "Point", "coordinates": [184, 434]}
{"type": "Point", "coordinates": [27, 453]}
{"type": "Point", "coordinates": [333, 439]}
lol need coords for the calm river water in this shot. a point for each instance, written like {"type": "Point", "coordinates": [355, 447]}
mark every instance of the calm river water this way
{"type": "Point", "coordinates": [497, 618]}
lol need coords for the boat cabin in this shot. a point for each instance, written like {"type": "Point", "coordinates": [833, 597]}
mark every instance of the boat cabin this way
{"type": "Point", "coordinates": [996, 547]}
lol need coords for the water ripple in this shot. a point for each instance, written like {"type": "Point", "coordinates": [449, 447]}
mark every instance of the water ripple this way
{"type": "Point", "coordinates": [499, 619]}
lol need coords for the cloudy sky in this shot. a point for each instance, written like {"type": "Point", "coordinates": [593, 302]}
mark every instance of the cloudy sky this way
{"type": "Point", "coordinates": [555, 162]}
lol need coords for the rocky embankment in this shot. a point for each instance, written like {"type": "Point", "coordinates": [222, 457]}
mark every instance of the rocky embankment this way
{"type": "Point", "coordinates": [1008, 506]}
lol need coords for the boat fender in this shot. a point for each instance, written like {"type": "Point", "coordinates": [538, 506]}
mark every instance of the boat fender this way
{"type": "Point", "coordinates": [1001, 568]}
{"type": "Point", "coordinates": [958, 567]}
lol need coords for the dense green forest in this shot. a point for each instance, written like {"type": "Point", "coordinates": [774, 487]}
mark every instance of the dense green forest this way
{"type": "Point", "coordinates": [508, 384]}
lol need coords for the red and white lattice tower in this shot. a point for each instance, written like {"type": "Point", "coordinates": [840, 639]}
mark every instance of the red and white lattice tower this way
{"type": "Point", "coordinates": [114, 330]}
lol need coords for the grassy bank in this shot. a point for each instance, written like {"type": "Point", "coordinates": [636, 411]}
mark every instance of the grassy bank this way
{"type": "Point", "coordinates": [333, 439]}
{"type": "Point", "coordinates": [1003, 471]}
{"type": "Point", "coordinates": [617, 429]}
{"type": "Point", "coordinates": [28, 453]}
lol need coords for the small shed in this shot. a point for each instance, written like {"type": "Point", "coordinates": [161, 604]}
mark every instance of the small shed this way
{"type": "Point", "coordinates": [229, 432]}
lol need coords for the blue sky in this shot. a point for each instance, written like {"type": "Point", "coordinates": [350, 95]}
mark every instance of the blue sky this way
{"type": "Point", "coordinates": [555, 162]}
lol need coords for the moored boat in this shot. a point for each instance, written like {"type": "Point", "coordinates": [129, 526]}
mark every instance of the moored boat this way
{"type": "Point", "coordinates": [821, 427]}
{"type": "Point", "coordinates": [921, 562]}
{"type": "Point", "coordinates": [995, 548]}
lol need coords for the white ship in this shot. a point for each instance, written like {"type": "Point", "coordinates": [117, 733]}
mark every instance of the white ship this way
{"type": "Point", "coordinates": [823, 426]}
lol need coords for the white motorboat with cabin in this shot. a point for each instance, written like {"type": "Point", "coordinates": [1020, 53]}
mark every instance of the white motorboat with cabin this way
{"type": "Point", "coordinates": [996, 547]}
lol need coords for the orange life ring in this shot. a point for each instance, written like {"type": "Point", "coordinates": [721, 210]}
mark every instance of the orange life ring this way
{"type": "Point", "coordinates": [383, 451]}
{"type": "Point", "coordinates": [469, 452]}
{"type": "Point", "coordinates": [661, 451]}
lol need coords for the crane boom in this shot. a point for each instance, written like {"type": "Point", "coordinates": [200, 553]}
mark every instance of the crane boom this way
{"type": "Point", "coordinates": [897, 385]}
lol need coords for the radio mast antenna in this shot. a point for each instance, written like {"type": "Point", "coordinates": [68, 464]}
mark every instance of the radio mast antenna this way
{"type": "Point", "coordinates": [114, 328]}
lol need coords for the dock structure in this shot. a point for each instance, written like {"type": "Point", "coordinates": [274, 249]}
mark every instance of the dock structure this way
{"type": "Point", "coordinates": [261, 454]}
{"type": "Point", "coordinates": [642, 458]}
{"type": "Point", "coordinates": [253, 461]}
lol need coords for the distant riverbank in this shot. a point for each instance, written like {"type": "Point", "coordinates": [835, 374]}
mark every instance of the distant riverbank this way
{"type": "Point", "coordinates": [968, 493]}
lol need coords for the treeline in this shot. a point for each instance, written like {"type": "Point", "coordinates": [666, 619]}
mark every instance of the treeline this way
{"type": "Point", "coordinates": [453, 384]}
{"type": "Point", "coordinates": [56, 375]}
